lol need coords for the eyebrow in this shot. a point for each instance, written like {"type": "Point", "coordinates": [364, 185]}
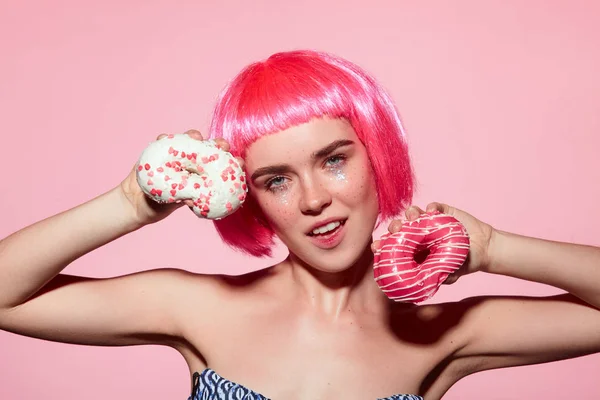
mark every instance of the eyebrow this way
{"type": "Point", "coordinates": [283, 168]}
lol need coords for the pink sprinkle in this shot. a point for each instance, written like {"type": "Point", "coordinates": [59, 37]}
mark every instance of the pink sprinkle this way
{"type": "Point", "coordinates": [160, 169]}
{"type": "Point", "coordinates": [140, 168]}
{"type": "Point", "coordinates": [196, 186]}
{"type": "Point", "coordinates": [173, 192]}
{"type": "Point", "coordinates": [171, 136]}
{"type": "Point", "coordinates": [171, 150]}
{"type": "Point", "coordinates": [149, 183]}
{"type": "Point", "coordinates": [151, 173]}
{"type": "Point", "coordinates": [173, 185]}
{"type": "Point", "coordinates": [183, 154]}
{"type": "Point", "coordinates": [147, 166]}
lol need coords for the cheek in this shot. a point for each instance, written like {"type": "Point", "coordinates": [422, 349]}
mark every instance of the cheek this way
{"type": "Point", "coordinates": [355, 182]}
{"type": "Point", "coordinates": [277, 208]}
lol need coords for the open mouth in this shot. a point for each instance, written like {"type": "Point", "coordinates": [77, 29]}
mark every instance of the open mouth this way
{"type": "Point", "coordinates": [327, 230]}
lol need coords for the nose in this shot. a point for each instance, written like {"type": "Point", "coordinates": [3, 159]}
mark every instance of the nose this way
{"type": "Point", "coordinates": [315, 197]}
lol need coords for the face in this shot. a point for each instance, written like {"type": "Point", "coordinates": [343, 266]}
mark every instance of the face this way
{"type": "Point", "coordinates": [316, 176]}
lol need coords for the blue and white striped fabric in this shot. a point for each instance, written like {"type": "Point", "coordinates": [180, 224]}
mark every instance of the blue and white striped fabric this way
{"type": "Point", "coordinates": [208, 385]}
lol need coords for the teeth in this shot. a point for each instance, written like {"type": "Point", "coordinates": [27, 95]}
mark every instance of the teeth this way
{"type": "Point", "coordinates": [326, 228]}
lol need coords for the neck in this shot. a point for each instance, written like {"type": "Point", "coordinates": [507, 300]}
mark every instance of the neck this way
{"type": "Point", "coordinates": [337, 294]}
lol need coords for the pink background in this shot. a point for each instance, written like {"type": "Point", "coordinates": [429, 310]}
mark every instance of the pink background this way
{"type": "Point", "coordinates": [501, 100]}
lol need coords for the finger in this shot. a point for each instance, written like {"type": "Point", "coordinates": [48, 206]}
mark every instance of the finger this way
{"type": "Point", "coordinates": [194, 134]}
{"type": "Point", "coordinates": [435, 206]}
{"type": "Point", "coordinates": [451, 279]}
{"type": "Point", "coordinates": [189, 203]}
{"type": "Point", "coordinates": [413, 212]}
{"type": "Point", "coordinates": [222, 144]}
{"type": "Point", "coordinates": [375, 246]}
{"type": "Point", "coordinates": [395, 226]}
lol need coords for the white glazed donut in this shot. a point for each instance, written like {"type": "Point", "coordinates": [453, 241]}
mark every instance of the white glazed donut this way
{"type": "Point", "coordinates": [178, 167]}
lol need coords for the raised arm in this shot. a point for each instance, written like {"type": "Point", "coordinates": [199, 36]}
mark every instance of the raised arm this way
{"type": "Point", "coordinates": [36, 300]}
{"type": "Point", "coordinates": [508, 331]}
{"type": "Point", "coordinates": [519, 330]}
{"type": "Point", "coordinates": [33, 256]}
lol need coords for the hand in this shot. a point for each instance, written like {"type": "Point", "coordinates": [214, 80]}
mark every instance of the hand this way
{"type": "Point", "coordinates": [147, 211]}
{"type": "Point", "coordinates": [480, 237]}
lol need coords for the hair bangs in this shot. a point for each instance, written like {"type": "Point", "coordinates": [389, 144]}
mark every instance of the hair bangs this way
{"type": "Point", "coordinates": [277, 94]}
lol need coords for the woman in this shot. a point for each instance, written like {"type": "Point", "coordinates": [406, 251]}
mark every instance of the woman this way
{"type": "Point", "coordinates": [322, 143]}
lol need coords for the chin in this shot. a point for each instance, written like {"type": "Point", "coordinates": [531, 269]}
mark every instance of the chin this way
{"type": "Point", "coordinates": [339, 259]}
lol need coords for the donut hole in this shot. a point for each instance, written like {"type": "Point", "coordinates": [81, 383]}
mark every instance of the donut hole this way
{"type": "Point", "coordinates": [421, 255]}
{"type": "Point", "coordinates": [193, 171]}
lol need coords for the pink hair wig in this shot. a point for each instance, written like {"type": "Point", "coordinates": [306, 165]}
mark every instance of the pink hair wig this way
{"type": "Point", "coordinates": [290, 89]}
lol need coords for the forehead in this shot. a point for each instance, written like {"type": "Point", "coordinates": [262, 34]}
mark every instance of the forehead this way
{"type": "Point", "coordinates": [297, 142]}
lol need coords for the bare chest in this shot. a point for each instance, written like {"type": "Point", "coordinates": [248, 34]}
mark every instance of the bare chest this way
{"type": "Point", "coordinates": [286, 357]}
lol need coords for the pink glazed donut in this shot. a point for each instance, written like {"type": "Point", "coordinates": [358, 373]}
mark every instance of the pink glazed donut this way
{"type": "Point", "coordinates": [397, 272]}
{"type": "Point", "coordinates": [179, 167]}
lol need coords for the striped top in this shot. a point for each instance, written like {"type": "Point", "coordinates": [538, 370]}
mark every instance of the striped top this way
{"type": "Point", "coordinates": [208, 385]}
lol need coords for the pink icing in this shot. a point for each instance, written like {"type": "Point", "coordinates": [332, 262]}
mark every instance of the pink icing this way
{"type": "Point", "coordinates": [404, 279]}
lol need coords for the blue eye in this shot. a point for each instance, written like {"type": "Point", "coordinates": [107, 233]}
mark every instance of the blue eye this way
{"type": "Point", "coordinates": [335, 160]}
{"type": "Point", "coordinates": [275, 182]}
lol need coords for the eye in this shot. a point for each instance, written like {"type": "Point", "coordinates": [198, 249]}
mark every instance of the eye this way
{"type": "Point", "coordinates": [335, 160]}
{"type": "Point", "coordinates": [275, 183]}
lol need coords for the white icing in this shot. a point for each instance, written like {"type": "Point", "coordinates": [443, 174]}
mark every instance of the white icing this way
{"type": "Point", "coordinates": [213, 179]}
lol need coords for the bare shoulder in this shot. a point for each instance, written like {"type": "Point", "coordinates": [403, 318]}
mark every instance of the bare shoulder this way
{"type": "Point", "coordinates": [222, 294]}
{"type": "Point", "coordinates": [146, 307]}
{"type": "Point", "coordinates": [490, 332]}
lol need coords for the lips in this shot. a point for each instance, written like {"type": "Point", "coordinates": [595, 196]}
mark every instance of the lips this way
{"type": "Point", "coordinates": [342, 221]}
{"type": "Point", "coordinates": [330, 239]}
